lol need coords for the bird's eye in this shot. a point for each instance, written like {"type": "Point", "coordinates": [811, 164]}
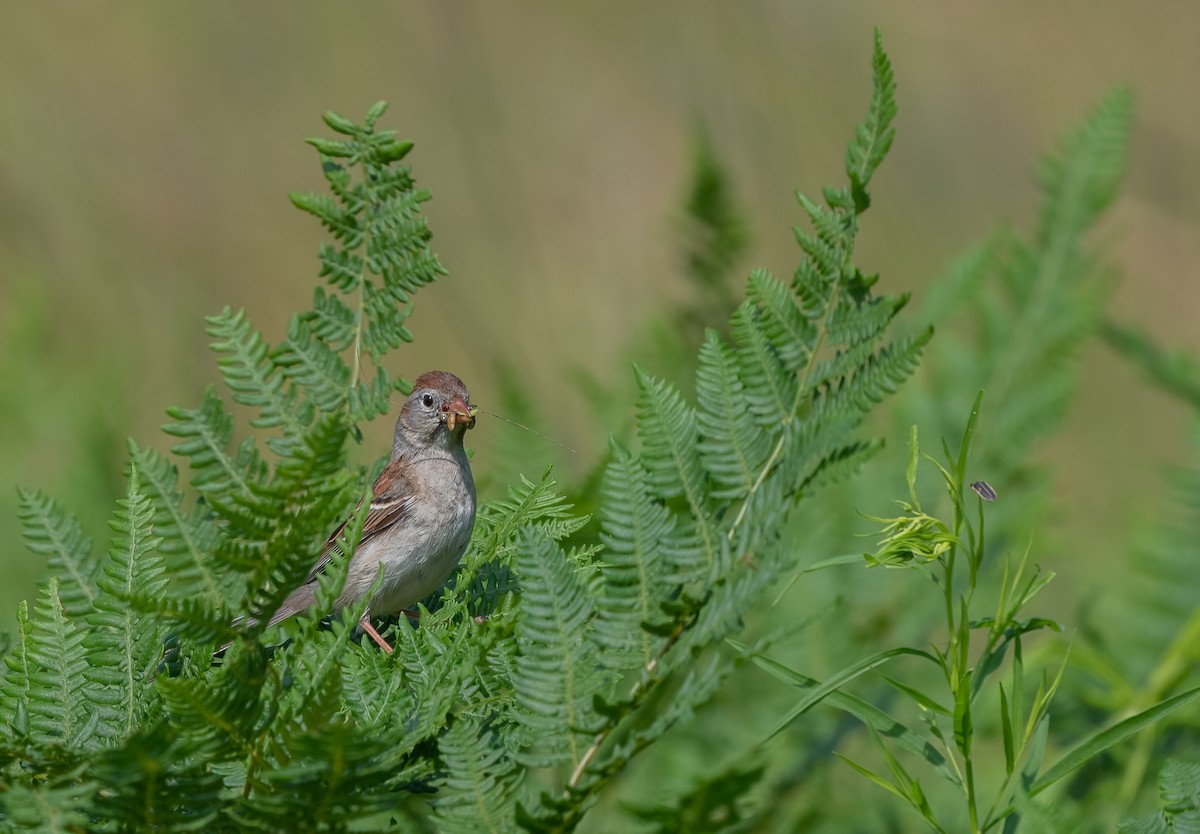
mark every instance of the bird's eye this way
{"type": "Point", "coordinates": [427, 400]}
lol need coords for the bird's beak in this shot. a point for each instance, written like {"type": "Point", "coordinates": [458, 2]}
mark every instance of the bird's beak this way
{"type": "Point", "coordinates": [459, 413]}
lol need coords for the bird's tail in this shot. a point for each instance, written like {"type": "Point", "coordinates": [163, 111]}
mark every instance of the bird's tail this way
{"type": "Point", "coordinates": [297, 601]}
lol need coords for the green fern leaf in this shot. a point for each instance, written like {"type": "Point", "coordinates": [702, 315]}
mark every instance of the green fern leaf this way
{"type": "Point", "coordinates": [188, 538]}
{"type": "Point", "coordinates": [52, 532]}
{"type": "Point", "coordinates": [733, 447]}
{"type": "Point", "coordinates": [248, 371]}
{"type": "Point", "coordinates": [1082, 179]}
{"type": "Point", "coordinates": [315, 488]}
{"type": "Point", "coordinates": [782, 321]}
{"type": "Point", "coordinates": [61, 703]}
{"type": "Point", "coordinates": [482, 778]}
{"type": "Point", "coordinates": [124, 646]}
{"type": "Point", "coordinates": [219, 716]}
{"type": "Point", "coordinates": [527, 504]}
{"type": "Point", "coordinates": [883, 373]}
{"type": "Point", "coordinates": [669, 431]}
{"type": "Point", "coordinates": [873, 139]}
{"type": "Point", "coordinates": [313, 365]}
{"type": "Point", "coordinates": [331, 320]}
{"type": "Point", "coordinates": [206, 433]}
{"type": "Point", "coordinates": [49, 809]}
{"type": "Point", "coordinates": [633, 527]}
{"type": "Point", "coordinates": [14, 695]}
{"type": "Point", "coordinates": [556, 671]}
{"type": "Point", "coordinates": [770, 388]}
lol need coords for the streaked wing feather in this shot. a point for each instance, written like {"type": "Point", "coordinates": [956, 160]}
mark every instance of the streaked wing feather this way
{"type": "Point", "coordinates": [392, 503]}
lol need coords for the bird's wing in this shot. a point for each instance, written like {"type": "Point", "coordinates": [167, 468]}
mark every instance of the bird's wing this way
{"type": "Point", "coordinates": [392, 501]}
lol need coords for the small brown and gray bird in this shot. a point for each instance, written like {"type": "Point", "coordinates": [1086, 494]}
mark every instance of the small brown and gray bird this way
{"type": "Point", "coordinates": [422, 509]}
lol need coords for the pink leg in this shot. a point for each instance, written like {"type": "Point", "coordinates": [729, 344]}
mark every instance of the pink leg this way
{"type": "Point", "coordinates": [365, 622]}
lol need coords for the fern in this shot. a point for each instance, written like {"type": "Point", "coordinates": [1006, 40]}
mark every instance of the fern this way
{"type": "Point", "coordinates": [50, 531]}
{"type": "Point", "coordinates": [1179, 793]}
{"type": "Point", "coordinates": [1034, 304]}
{"type": "Point", "coordinates": [481, 782]}
{"type": "Point", "coordinates": [555, 675]}
{"type": "Point", "coordinates": [559, 654]}
{"type": "Point", "coordinates": [59, 700]}
{"type": "Point", "coordinates": [123, 645]}
{"type": "Point", "coordinates": [633, 529]}
{"type": "Point", "coordinates": [187, 537]}
{"type": "Point", "coordinates": [728, 474]}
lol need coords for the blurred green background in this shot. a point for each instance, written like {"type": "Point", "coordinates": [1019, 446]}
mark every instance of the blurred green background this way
{"type": "Point", "coordinates": [146, 153]}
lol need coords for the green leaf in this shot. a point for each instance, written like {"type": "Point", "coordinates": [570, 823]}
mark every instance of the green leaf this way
{"type": "Point", "coordinates": [633, 527]}
{"type": "Point", "coordinates": [732, 447]}
{"type": "Point", "coordinates": [873, 138]}
{"type": "Point", "coordinates": [1098, 743]}
{"type": "Point", "coordinates": [840, 679]}
{"type": "Point", "coordinates": [61, 704]}
{"type": "Point", "coordinates": [187, 538]}
{"type": "Point", "coordinates": [482, 776]}
{"type": "Point", "coordinates": [556, 671]}
{"type": "Point", "coordinates": [124, 644]}
{"type": "Point", "coordinates": [52, 532]}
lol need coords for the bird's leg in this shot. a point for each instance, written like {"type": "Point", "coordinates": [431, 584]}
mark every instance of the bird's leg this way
{"type": "Point", "coordinates": [365, 623]}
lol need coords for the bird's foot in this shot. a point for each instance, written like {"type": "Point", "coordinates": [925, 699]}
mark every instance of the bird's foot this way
{"type": "Point", "coordinates": [365, 624]}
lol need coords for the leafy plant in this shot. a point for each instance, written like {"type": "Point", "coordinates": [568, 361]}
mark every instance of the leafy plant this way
{"type": "Point", "coordinates": [944, 550]}
{"type": "Point", "coordinates": [546, 655]}
{"type": "Point", "coordinates": [569, 645]}
{"type": "Point", "coordinates": [1179, 792]}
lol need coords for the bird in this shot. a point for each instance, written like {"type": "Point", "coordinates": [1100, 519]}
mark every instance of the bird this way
{"type": "Point", "coordinates": [422, 510]}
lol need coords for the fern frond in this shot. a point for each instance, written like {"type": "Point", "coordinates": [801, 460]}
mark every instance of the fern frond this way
{"type": "Point", "coordinates": [865, 322]}
{"type": "Point", "coordinates": [770, 388]}
{"type": "Point", "coordinates": [187, 538]}
{"type": "Point", "coordinates": [152, 782]}
{"type": "Point", "coordinates": [883, 373]}
{"type": "Point", "coordinates": [220, 716]}
{"type": "Point", "coordinates": [52, 532]}
{"type": "Point", "coordinates": [873, 138]}
{"type": "Point", "coordinates": [500, 521]}
{"type": "Point", "coordinates": [783, 321]}
{"type": "Point", "coordinates": [435, 664]}
{"type": "Point", "coordinates": [63, 808]}
{"type": "Point", "coordinates": [556, 671]}
{"type": "Point", "coordinates": [252, 377]}
{"type": "Point", "coordinates": [61, 703]}
{"type": "Point", "coordinates": [669, 431]}
{"type": "Point", "coordinates": [123, 645]}
{"type": "Point", "coordinates": [313, 365]}
{"type": "Point", "coordinates": [382, 255]}
{"type": "Point", "coordinates": [1179, 795]}
{"type": "Point", "coordinates": [733, 446]}
{"type": "Point", "coordinates": [715, 804]}
{"type": "Point", "coordinates": [194, 618]}
{"type": "Point", "coordinates": [307, 495]}
{"type": "Point", "coordinates": [1081, 180]}
{"type": "Point", "coordinates": [563, 813]}
{"type": "Point", "coordinates": [633, 527]}
{"type": "Point", "coordinates": [1157, 612]}
{"type": "Point", "coordinates": [320, 771]}
{"type": "Point", "coordinates": [331, 320]}
{"type": "Point", "coordinates": [14, 694]}
{"type": "Point", "coordinates": [206, 434]}
{"type": "Point", "coordinates": [482, 778]}
{"type": "Point", "coordinates": [1177, 372]}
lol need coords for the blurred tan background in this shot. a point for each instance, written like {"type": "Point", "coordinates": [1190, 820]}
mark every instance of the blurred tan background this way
{"type": "Point", "coordinates": [146, 153]}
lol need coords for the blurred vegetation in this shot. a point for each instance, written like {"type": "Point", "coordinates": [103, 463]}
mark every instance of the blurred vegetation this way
{"type": "Point", "coordinates": [558, 147]}
{"type": "Point", "coordinates": [557, 139]}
